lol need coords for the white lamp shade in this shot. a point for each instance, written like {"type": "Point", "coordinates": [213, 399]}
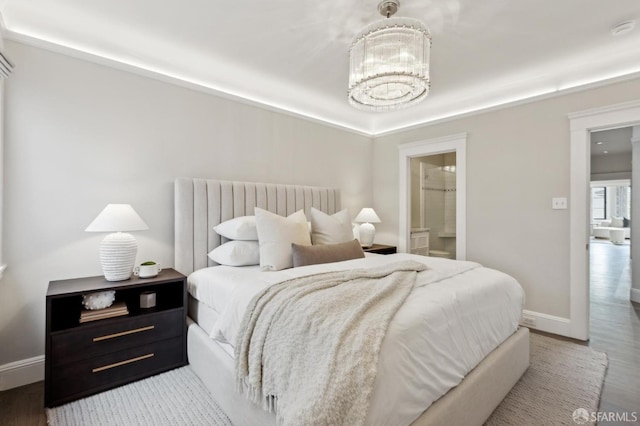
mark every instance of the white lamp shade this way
{"type": "Point", "coordinates": [367, 215]}
{"type": "Point", "coordinates": [117, 218]}
{"type": "Point", "coordinates": [118, 250]}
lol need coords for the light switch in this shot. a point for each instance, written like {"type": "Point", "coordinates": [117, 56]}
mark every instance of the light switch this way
{"type": "Point", "coordinates": [559, 203]}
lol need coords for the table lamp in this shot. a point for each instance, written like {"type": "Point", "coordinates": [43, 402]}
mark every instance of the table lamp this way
{"type": "Point", "coordinates": [367, 217]}
{"type": "Point", "coordinates": [118, 250]}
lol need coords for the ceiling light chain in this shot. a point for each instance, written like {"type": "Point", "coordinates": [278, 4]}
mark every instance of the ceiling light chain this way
{"type": "Point", "coordinates": [389, 62]}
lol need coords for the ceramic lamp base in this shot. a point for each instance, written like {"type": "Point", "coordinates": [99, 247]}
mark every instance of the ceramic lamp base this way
{"type": "Point", "coordinates": [118, 255]}
{"type": "Point", "coordinates": [367, 234]}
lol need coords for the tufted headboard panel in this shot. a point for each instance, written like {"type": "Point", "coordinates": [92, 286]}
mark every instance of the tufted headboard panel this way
{"type": "Point", "coordinates": [201, 204]}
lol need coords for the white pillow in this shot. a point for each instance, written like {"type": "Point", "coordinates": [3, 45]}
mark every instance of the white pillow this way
{"type": "Point", "coordinates": [237, 253]}
{"type": "Point", "coordinates": [276, 234]}
{"type": "Point", "coordinates": [617, 222]}
{"type": "Point", "coordinates": [239, 228]}
{"type": "Point", "coordinates": [330, 229]}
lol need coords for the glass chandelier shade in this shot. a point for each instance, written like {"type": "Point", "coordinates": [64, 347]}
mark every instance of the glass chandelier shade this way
{"type": "Point", "coordinates": [389, 65]}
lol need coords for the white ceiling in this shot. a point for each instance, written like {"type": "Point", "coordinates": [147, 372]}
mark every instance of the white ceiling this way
{"type": "Point", "coordinates": [293, 55]}
{"type": "Point", "coordinates": [613, 141]}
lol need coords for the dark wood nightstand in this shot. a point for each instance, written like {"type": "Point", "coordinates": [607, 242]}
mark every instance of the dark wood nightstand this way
{"type": "Point", "coordinates": [380, 249]}
{"type": "Point", "coordinates": [83, 359]}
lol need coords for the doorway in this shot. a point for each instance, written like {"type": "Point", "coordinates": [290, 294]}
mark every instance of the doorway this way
{"type": "Point", "coordinates": [611, 163]}
{"type": "Point", "coordinates": [433, 205]}
{"type": "Point", "coordinates": [610, 242]}
{"type": "Point", "coordinates": [582, 125]}
{"type": "Point", "coordinates": [449, 235]}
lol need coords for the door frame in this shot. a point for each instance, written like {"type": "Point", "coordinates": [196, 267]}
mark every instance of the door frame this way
{"type": "Point", "coordinates": [453, 143]}
{"type": "Point", "coordinates": [582, 123]}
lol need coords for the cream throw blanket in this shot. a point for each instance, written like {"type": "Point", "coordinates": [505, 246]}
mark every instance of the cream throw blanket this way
{"type": "Point", "coordinates": [308, 347]}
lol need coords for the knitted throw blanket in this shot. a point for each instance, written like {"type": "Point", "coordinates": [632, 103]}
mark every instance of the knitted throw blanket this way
{"type": "Point", "coordinates": [308, 347]}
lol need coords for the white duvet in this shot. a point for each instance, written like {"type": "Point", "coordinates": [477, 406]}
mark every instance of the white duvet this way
{"type": "Point", "coordinates": [456, 315]}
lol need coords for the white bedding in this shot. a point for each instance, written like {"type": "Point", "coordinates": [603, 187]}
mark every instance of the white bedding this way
{"type": "Point", "coordinates": [214, 285]}
{"type": "Point", "coordinates": [206, 318]}
{"type": "Point", "coordinates": [456, 315]}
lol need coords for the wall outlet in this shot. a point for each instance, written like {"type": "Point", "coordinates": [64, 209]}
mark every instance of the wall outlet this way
{"type": "Point", "coordinates": [559, 203]}
{"type": "Point", "coordinates": [528, 321]}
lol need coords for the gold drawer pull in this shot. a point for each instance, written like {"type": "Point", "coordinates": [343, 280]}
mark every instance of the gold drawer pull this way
{"type": "Point", "coordinates": [123, 333]}
{"type": "Point", "coordinates": [118, 364]}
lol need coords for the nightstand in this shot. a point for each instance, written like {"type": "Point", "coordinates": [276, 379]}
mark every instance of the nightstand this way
{"type": "Point", "coordinates": [82, 359]}
{"type": "Point", "coordinates": [380, 249]}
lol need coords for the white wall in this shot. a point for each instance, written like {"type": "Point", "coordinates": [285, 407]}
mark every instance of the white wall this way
{"type": "Point", "coordinates": [517, 160]}
{"type": "Point", "coordinates": [81, 135]}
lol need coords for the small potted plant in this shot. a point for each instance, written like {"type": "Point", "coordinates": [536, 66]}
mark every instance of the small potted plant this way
{"type": "Point", "coordinates": [148, 269]}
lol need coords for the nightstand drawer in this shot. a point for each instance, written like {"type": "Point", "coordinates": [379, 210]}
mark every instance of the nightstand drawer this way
{"type": "Point", "coordinates": [94, 375]}
{"type": "Point", "coordinates": [92, 340]}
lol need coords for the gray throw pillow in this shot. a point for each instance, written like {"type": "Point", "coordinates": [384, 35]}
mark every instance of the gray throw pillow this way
{"type": "Point", "coordinates": [325, 253]}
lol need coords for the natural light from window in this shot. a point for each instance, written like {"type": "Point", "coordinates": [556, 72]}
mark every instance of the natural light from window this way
{"type": "Point", "coordinates": [610, 200]}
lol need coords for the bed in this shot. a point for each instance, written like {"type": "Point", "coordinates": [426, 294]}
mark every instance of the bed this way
{"type": "Point", "coordinates": [201, 204]}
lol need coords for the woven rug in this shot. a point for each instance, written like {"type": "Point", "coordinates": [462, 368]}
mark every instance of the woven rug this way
{"type": "Point", "coordinates": [563, 377]}
{"type": "Point", "coordinates": [563, 380]}
{"type": "Point", "coordinates": [174, 398]}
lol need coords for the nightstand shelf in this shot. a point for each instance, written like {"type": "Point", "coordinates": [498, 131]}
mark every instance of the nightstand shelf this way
{"type": "Point", "coordinates": [83, 359]}
{"type": "Point", "coordinates": [380, 249]}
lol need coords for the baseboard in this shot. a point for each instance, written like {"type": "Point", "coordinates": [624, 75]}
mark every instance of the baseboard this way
{"type": "Point", "coordinates": [635, 295]}
{"type": "Point", "coordinates": [20, 373]}
{"type": "Point", "coordinates": [546, 323]}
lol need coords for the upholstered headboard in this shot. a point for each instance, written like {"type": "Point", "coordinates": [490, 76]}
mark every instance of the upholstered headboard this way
{"type": "Point", "coordinates": [201, 204]}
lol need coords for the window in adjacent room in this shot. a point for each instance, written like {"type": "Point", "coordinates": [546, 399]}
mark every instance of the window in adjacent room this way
{"type": "Point", "coordinates": [598, 203]}
{"type": "Point", "coordinates": [622, 206]}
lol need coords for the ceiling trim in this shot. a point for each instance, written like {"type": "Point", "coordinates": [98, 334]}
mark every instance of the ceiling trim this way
{"type": "Point", "coordinates": [177, 80]}
{"type": "Point", "coordinates": [528, 99]}
{"type": "Point", "coordinates": [166, 77]}
{"type": "Point", "coordinates": [604, 109]}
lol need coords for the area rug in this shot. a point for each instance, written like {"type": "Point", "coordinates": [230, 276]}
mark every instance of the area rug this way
{"type": "Point", "coordinates": [561, 386]}
{"type": "Point", "coordinates": [174, 398]}
{"type": "Point", "coordinates": [564, 379]}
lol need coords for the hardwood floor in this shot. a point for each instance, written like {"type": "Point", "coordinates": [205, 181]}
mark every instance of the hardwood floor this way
{"type": "Point", "coordinates": [23, 406]}
{"type": "Point", "coordinates": [615, 329]}
{"type": "Point", "coordinates": [615, 326]}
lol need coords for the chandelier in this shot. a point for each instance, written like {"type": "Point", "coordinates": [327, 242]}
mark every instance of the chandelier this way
{"type": "Point", "coordinates": [389, 62]}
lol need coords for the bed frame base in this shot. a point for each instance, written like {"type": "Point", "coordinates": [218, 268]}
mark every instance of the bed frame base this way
{"type": "Point", "coordinates": [470, 403]}
{"type": "Point", "coordinates": [484, 388]}
{"type": "Point", "coordinates": [215, 368]}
